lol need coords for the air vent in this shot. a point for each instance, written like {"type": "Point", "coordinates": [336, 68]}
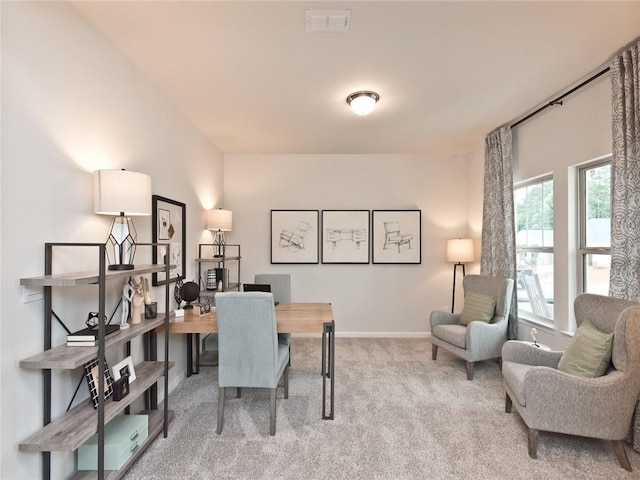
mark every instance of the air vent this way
{"type": "Point", "coordinates": [327, 20]}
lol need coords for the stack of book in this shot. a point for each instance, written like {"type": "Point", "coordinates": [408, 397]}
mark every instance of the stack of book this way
{"type": "Point", "coordinates": [88, 337]}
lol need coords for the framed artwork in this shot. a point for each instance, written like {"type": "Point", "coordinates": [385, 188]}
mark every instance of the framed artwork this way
{"type": "Point", "coordinates": [125, 367]}
{"type": "Point", "coordinates": [396, 236]}
{"type": "Point", "coordinates": [345, 236]}
{"type": "Point", "coordinates": [294, 236]}
{"type": "Point", "coordinates": [91, 372]}
{"type": "Point", "coordinates": [169, 226]}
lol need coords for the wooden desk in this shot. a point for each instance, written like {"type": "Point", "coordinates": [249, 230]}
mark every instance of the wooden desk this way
{"type": "Point", "coordinates": [290, 318]}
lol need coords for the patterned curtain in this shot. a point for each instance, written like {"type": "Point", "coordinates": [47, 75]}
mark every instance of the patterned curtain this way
{"type": "Point", "coordinates": [624, 281]}
{"type": "Point", "coordinates": [498, 256]}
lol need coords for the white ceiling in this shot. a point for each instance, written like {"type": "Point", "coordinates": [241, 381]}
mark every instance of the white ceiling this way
{"type": "Point", "coordinates": [253, 80]}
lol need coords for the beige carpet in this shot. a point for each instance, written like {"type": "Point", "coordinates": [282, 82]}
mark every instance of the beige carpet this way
{"type": "Point", "coordinates": [399, 415]}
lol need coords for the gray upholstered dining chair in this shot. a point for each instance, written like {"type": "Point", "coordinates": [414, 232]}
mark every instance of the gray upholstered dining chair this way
{"type": "Point", "coordinates": [554, 394]}
{"type": "Point", "coordinates": [281, 289]}
{"type": "Point", "coordinates": [249, 354]}
{"type": "Point", "coordinates": [479, 332]}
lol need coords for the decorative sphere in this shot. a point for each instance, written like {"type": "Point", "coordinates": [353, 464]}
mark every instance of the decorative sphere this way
{"type": "Point", "coordinates": [190, 291]}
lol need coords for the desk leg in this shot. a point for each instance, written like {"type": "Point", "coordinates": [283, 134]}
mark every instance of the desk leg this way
{"type": "Point", "coordinates": [189, 337]}
{"type": "Point", "coordinates": [197, 370]}
{"type": "Point", "coordinates": [328, 368]}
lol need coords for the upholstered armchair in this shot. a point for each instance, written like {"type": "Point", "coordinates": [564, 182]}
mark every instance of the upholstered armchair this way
{"type": "Point", "coordinates": [550, 399]}
{"type": "Point", "coordinates": [249, 354]}
{"type": "Point", "coordinates": [480, 338]}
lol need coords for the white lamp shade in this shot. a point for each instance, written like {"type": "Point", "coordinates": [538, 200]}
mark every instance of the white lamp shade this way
{"type": "Point", "coordinates": [460, 250]}
{"type": "Point", "coordinates": [116, 191]}
{"type": "Point", "coordinates": [219, 219]}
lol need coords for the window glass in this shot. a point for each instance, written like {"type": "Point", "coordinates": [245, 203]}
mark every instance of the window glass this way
{"type": "Point", "coordinates": [534, 247]}
{"type": "Point", "coordinates": [595, 227]}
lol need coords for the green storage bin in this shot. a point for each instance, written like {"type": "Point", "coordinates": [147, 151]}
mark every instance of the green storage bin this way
{"type": "Point", "coordinates": [122, 436]}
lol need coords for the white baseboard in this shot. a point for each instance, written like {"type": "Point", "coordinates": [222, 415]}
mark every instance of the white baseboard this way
{"type": "Point", "coordinates": [370, 335]}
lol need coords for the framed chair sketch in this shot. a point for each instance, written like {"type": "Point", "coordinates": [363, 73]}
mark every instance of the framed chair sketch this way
{"type": "Point", "coordinates": [397, 236]}
{"type": "Point", "coordinates": [345, 236]}
{"type": "Point", "coordinates": [294, 236]}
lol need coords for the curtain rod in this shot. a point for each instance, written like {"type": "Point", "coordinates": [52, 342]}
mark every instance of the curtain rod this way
{"type": "Point", "coordinates": [598, 72]}
{"type": "Point", "coordinates": [558, 100]}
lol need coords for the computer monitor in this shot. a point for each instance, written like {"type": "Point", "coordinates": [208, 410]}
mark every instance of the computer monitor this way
{"type": "Point", "coordinates": [257, 287]}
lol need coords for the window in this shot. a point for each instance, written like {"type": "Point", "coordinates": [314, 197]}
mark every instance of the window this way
{"type": "Point", "coordinates": [533, 205]}
{"type": "Point", "coordinates": [595, 226]}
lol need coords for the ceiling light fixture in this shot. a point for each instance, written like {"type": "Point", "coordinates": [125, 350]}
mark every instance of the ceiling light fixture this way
{"type": "Point", "coordinates": [363, 103]}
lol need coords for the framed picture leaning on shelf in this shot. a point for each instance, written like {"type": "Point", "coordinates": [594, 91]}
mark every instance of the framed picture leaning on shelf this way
{"type": "Point", "coordinates": [91, 372]}
{"type": "Point", "coordinates": [169, 226]}
{"type": "Point", "coordinates": [125, 367]}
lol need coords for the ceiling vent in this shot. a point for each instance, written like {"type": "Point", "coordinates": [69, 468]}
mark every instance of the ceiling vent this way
{"type": "Point", "coordinates": [327, 20]}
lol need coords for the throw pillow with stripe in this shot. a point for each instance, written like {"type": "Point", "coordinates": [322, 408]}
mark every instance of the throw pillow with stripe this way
{"type": "Point", "coordinates": [477, 307]}
{"type": "Point", "coordinates": [589, 352]}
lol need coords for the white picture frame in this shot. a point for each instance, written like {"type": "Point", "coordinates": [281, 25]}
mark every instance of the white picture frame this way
{"type": "Point", "coordinates": [121, 368]}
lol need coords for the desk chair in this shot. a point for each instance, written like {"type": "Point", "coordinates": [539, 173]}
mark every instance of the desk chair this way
{"type": "Point", "coordinates": [281, 288]}
{"type": "Point", "coordinates": [249, 353]}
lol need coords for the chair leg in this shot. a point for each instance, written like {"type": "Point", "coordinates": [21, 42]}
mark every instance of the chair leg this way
{"type": "Point", "coordinates": [507, 403]}
{"type": "Point", "coordinates": [238, 392]}
{"type": "Point", "coordinates": [469, 370]}
{"type": "Point", "coordinates": [533, 443]}
{"type": "Point", "coordinates": [621, 454]}
{"type": "Point", "coordinates": [220, 410]}
{"type": "Point", "coordinates": [272, 423]}
{"type": "Point", "coordinates": [434, 352]}
{"type": "Point", "coordinates": [286, 382]}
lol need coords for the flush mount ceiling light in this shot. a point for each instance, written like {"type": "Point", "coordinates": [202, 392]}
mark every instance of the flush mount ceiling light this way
{"type": "Point", "coordinates": [363, 103]}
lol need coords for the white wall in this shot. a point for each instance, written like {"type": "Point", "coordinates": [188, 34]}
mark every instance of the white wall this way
{"type": "Point", "coordinates": [368, 299]}
{"type": "Point", "coordinates": [556, 141]}
{"type": "Point", "coordinates": [72, 104]}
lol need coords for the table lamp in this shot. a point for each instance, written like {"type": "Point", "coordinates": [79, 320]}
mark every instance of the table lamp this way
{"type": "Point", "coordinates": [220, 221]}
{"type": "Point", "coordinates": [459, 252]}
{"type": "Point", "coordinates": [123, 194]}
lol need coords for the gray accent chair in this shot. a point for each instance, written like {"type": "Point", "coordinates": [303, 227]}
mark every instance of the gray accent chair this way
{"type": "Point", "coordinates": [479, 340]}
{"type": "Point", "coordinates": [281, 289]}
{"type": "Point", "coordinates": [249, 353]}
{"type": "Point", "coordinates": [550, 400]}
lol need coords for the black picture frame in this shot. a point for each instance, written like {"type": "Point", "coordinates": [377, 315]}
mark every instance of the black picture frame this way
{"type": "Point", "coordinates": [91, 373]}
{"type": "Point", "coordinates": [346, 236]}
{"type": "Point", "coordinates": [169, 224]}
{"type": "Point", "coordinates": [294, 236]}
{"type": "Point", "coordinates": [396, 236]}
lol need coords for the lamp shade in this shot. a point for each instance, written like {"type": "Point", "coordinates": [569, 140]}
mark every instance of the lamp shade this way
{"type": "Point", "coordinates": [460, 250]}
{"type": "Point", "coordinates": [219, 219]}
{"type": "Point", "coordinates": [121, 191]}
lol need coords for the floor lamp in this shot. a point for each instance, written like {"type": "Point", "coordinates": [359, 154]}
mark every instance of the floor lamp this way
{"type": "Point", "coordinates": [459, 252]}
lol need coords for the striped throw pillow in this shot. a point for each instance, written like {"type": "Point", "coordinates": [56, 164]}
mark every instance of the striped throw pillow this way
{"type": "Point", "coordinates": [477, 307]}
{"type": "Point", "coordinates": [589, 352]}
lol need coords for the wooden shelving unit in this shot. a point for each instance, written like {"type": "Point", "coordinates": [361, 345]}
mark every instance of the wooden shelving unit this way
{"type": "Point", "coordinates": [70, 430]}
